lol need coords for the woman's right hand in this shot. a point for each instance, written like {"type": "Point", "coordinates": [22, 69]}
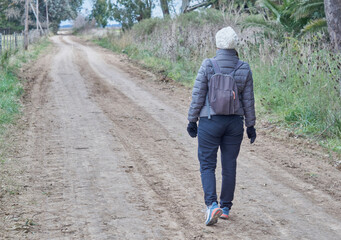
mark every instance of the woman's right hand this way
{"type": "Point", "coordinates": [192, 129]}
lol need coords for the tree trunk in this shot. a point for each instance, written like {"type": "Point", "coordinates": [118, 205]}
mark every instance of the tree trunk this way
{"type": "Point", "coordinates": [192, 8]}
{"type": "Point", "coordinates": [333, 16]}
{"type": "Point", "coordinates": [184, 5]}
{"type": "Point", "coordinates": [37, 12]}
{"type": "Point", "coordinates": [164, 7]}
{"type": "Point", "coordinates": [47, 16]}
{"type": "Point", "coordinates": [26, 25]}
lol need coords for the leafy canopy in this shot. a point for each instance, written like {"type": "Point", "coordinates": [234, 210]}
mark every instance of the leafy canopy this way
{"type": "Point", "coordinates": [12, 12]}
{"type": "Point", "coordinates": [101, 12]}
{"type": "Point", "coordinates": [295, 17]}
{"type": "Point", "coordinates": [128, 12]}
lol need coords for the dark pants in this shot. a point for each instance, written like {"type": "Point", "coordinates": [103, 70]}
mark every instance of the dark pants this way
{"type": "Point", "coordinates": [225, 132]}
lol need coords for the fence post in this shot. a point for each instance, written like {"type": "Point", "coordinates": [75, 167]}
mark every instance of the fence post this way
{"type": "Point", "coordinates": [15, 41]}
{"type": "Point", "coordinates": [23, 39]}
{"type": "Point", "coordinates": [0, 43]}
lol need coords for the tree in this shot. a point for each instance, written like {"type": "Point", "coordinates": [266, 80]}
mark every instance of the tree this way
{"type": "Point", "coordinates": [213, 4]}
{"type": "Point", "coordinates": [295, 17]}
{"type": "Point", "coordinates": [310, 14]}
{"type": "Point", "coordinates": [60, 10]}
{"type": "Point", "coordinates": [164, 7]}
{"type": "Point", "coordinates": [82, 23]}
{"type": "Point", "coordinates": [128, 12]}
{"type": "Point", "coordinates": [26, 25]}
{"type": "Point", "coordinates": [12, 14]}
{"type": "Point", "coordinates": [333, 16]}
{"type": "Point", "coordinates": [101, 12]}
{"type": "Point", "coordinates": [184, 5]}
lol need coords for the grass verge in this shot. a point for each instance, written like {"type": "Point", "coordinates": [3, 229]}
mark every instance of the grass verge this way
{"type": "Point", "coordinates": [11, 87]}
{"type": "Point", "coordinates": [297, 81]}
{"type": "Point", "coordinates": [11, 91]}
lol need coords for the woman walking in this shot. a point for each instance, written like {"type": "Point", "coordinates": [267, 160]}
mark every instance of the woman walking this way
{"type": "Point", "coordinates": [222, 97]}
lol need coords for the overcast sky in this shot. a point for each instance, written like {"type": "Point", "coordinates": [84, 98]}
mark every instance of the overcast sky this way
{"type": "Point", "coordinates": [87, 6]}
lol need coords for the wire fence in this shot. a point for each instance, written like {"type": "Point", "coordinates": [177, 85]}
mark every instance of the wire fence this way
{"type": "Point", "coordinates": [9, 42]}
{"type": "Point", "coordinates": [15, 41]}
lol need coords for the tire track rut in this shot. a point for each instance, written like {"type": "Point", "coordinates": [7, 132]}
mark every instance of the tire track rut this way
{"type": "Point", "coordinates": [109, 158]}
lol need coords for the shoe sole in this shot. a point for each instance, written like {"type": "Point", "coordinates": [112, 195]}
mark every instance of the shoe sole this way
{"type": "Point", "coordinates": [224, 216]}
{"type": "Point", "coordinates": [215, 215]}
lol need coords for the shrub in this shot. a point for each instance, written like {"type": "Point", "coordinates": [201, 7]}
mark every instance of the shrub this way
{"type": "Point", "coordinates": [82, 23]}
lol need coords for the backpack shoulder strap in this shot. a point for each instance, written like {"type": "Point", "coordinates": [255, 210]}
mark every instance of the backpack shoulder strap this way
{"type": "Point", "coordinates": [215, 65]}
{"type": "Point", "coordinates": [239, 64]}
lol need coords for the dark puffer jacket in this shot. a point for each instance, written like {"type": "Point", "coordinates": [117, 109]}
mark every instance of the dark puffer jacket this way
{"type": "Point", "coordinates": [227, 60]}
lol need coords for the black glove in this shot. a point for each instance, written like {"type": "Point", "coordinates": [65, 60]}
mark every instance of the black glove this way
{"type": "Point", "coordinates": [192, 129]}
{"type": "Point", "coordinates": [251, 134]}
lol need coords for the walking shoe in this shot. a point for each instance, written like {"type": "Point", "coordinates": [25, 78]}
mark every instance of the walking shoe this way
{"type": "Point", "coordinates": [225, 214]}
{"type": "Point", "coordinates": [212, 214]}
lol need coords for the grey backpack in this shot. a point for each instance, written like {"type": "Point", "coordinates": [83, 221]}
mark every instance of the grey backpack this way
{"type": "Point", "coordinates": [223, 91]}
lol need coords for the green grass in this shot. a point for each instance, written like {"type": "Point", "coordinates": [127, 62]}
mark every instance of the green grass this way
{"type": "Point", "coordinates": [11, 88]}
{"type": "Point", "coordinates": [10, 92]}
{"type": "Point", "coordinates": [300, 89]}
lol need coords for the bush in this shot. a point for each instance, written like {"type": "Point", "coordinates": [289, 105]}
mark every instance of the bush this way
{"type": "Point", "coordinates": [147, 26]}
{"type": "Point", "coordinates": [82, 23]}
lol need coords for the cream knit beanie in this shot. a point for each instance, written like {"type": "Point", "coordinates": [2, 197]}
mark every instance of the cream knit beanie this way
{"type": "Point", "coordinates": [226, 38]}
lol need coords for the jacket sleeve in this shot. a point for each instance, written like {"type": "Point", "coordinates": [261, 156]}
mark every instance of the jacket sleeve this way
{"type": "Point", "coordinates": [198, 93]}
{"type": "Point", "coordinates": [249, 102]}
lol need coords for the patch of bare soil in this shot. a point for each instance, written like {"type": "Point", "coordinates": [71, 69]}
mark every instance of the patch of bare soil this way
{"type": "Point", "coordinates": [104, 154]}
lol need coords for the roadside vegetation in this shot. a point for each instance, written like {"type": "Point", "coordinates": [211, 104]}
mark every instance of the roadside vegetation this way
{"type": "Point", "coordinates": [11, 92]}
{"type": "Point", "coordinates": [11, 87]}
{"type": "Point", "coordinates": [12, 13]}
{"type": "Point", "coordinates": [296, 71]}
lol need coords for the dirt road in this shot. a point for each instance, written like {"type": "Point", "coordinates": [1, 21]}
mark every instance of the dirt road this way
{"type": "Point", "coordinates": [105, 154]}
